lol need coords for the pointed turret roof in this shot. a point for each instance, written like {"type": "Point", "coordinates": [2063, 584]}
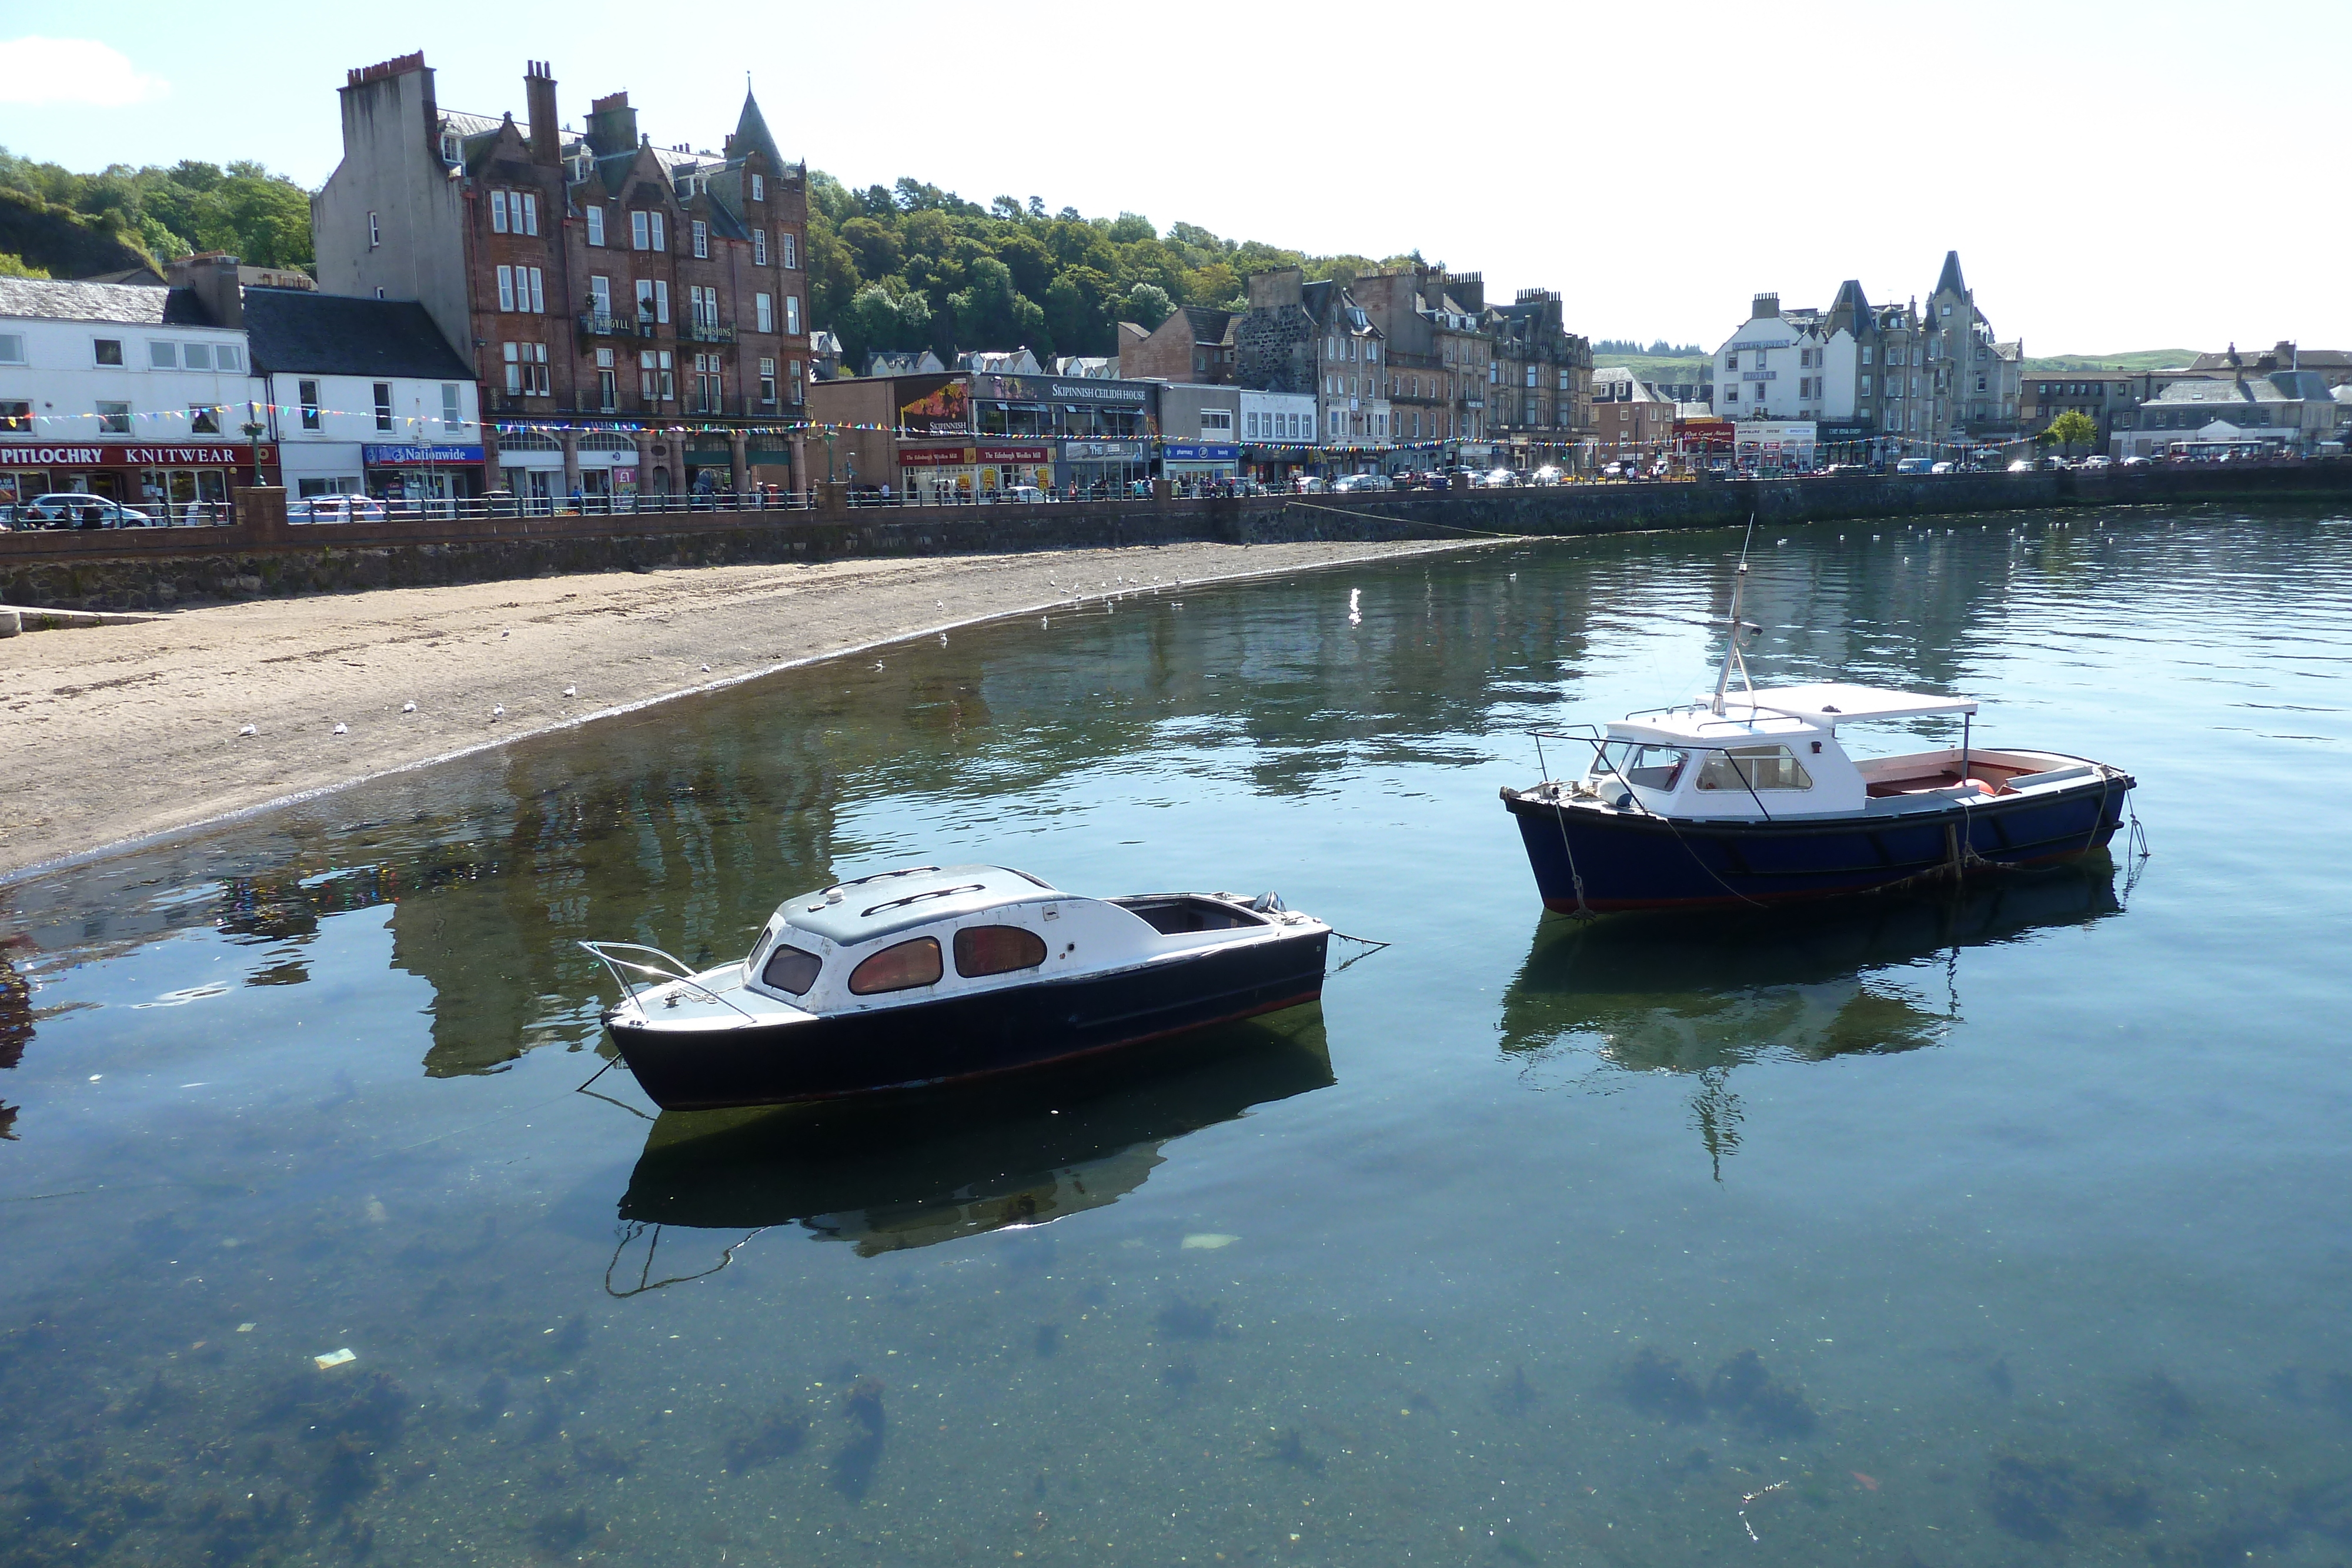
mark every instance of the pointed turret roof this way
{"type": "Point", "coordinates": [751, 134]}
{"type": "Point", "coordinates": [1950, 283]}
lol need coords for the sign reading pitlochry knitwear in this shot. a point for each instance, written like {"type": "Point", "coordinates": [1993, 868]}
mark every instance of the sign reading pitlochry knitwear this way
{"type": "Point", "coordinates": [205, 455]}
{"type": "Point", "coordinates": [417, 456]}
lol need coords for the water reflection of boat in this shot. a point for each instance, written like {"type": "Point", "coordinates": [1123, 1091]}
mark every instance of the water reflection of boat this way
{"type": "Point", "coordinates": [1631, 992]}
{"type": "Point", "coordinates": [921, 1169]}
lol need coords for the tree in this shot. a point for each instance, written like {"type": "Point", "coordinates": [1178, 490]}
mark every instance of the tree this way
{"type": "Point", "coordinates": [2069, 430]}
{"type": "Point", "coordinates": [1148, 305]}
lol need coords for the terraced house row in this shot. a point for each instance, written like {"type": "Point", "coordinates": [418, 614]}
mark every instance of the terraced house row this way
{"type": "Point", "coordinates": [598, 283]}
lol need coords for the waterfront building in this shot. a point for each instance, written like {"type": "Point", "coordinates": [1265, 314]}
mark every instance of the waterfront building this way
{"type": "Point", "coordinates": [2099, 395]}
{"type": "Point", "coordinates": [599, 284]}
{"type": "Point", "coordinates": [1974, 378]}
{"type": "Point", "coordinates": [1539, 380]}
{"type": "Point", "coordinates": [1442, 356]}
{"type": "Point", "coordinates": [1628, 418]}
{"type": "Point", "coordinates": [1278, 433]}
{"type": "Point", "coordinates": [2289, 409]}
{"type": "Point", "coordinates": [962, 433]}
{"type": "Point", "coordinates": [1302, 337]}
{"type": "Point", "coordinates": [1194, 344]}
{"type": "Point", "coordinates": [1199, 424]}
{"type": "Point", "coordinates": [363, 397]}
{"type": "Point", "coordinates": [141, 394]}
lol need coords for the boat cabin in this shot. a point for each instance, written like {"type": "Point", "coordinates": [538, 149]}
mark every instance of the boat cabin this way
{"type": "Point", "coordinates": [1774, 754]}
{"type": "Point", "coordinates": [929, 931]}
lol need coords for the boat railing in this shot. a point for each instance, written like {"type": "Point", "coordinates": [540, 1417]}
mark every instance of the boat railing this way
{"type": "Point", "coordinates": [670, 971]}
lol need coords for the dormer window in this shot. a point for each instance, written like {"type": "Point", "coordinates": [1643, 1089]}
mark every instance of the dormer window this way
{"type": "Point", "coordinates": [450, 147]}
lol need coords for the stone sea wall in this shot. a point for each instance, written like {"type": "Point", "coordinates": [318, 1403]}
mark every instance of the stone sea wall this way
{"type": "Point", "coordinates": [156, 568]}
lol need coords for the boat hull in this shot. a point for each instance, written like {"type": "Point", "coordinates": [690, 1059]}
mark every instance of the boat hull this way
{"type": "Point", "coordinates": [921, 1043]}
{"type": "Point", "coordinates": [1631, 860]}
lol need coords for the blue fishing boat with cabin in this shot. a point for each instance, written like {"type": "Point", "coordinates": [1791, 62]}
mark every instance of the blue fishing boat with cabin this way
{"type": "Point", "coordinates": [1750, 797]}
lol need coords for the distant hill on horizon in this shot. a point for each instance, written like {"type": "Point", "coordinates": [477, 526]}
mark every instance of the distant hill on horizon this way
{"type": "Point", "coordinates": [2133, 361]}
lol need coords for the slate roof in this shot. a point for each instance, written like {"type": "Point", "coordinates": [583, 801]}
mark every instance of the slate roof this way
{"type": "Point", "coordinates": [1208, 326]}
{"type": "Point", "coordinates": [2286, 386]}
{"type": "Point", "coordinates": [751, 134]}
{"type": "Point", "coordinates": [293, 329]}
{"type": "Point", "coordinates": [124, 304]}
{"type": "Point", "coordinates": [1950, 282]}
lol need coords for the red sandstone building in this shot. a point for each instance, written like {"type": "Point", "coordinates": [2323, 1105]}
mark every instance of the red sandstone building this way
{"type": "Point", "coordinates": [636, 316]}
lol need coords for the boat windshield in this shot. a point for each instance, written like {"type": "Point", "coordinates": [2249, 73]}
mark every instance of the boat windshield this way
{"type": "Point", "coordinates": [1639, 762]}
{"type": "Point", "coordinates": [1754, 768]}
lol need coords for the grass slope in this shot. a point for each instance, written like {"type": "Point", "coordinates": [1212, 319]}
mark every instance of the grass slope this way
{"type": "Point", "coordinates": [2131, 362]}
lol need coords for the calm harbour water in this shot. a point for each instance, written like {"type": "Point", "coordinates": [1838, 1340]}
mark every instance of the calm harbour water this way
{"type": "Point", "coordinates": [2008, 1226]}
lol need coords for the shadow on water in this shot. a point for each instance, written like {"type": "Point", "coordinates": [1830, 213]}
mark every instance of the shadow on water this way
{"type": "Point", "coordinates": [1704, 993]}
{"type": "Point", "coordinates": [904, 1171]}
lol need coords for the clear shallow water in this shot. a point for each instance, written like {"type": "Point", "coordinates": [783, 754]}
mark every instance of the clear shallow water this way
{"type": "Point", "coordinates": [1996, 1227]}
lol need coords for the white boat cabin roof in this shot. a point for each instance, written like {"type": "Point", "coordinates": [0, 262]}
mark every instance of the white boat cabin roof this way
{"type": "Point", "coordinates": [850, 912]}
{"type": "Point", "coordinates": [1782, 710]}
{"type": "Point", "coordinates": [1832, 702]}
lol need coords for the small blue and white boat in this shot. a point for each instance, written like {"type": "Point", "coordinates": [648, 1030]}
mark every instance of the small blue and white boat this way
{"type": "Point", "coordinates": [1749, 798]}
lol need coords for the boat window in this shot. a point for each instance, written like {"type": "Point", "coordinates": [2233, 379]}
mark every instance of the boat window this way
{"type": "Point", "coordinates": [898, 968]}
{"type": "Point", "coordinates": [996, 950]}
{"type": "Point", "coordinates": [792, 970]}
{"type": "Point", "coordinates": [1745, 767]}
{"type": "Point", "coordinates": [1651, 767]}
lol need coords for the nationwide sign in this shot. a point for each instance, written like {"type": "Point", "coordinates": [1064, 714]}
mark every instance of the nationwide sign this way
{"type": "Point", "coordinates": [221, 455]}
{"type": "Point", "coordinates": [1202, 452]}
{"type": "Point", "coordinates": [417, 456]}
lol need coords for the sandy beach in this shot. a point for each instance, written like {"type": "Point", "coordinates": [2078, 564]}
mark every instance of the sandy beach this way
{"type": "Point", "coordinates": [120, 733]}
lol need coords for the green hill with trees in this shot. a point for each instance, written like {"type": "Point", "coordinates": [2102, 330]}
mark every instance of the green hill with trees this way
{"type": "Point", "coordinates": [64, 224]}
{"type": "Point", "coordinates": [910, 266]}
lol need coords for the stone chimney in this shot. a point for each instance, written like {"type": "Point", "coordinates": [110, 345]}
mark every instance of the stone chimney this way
{"type": "Point", "coordinates": [1765, 305]}
{"type": "Point", "coordinates": [1274, 290]}
{"type": "Point", "coordinates": [211, 279]}
{"type": "Point", "coordinates": [612, 125]}
{"type": "Point", "coordinates": [538, 103]}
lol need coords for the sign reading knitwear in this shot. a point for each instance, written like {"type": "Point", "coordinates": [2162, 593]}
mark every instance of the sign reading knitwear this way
{"type": "Point", "coordinates": [206, 454]}
{"type": "Point", "coordinates": [417, 456]}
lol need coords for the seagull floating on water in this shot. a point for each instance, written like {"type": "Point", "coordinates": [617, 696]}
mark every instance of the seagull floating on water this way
{"type": "Point", "coordinates": [497, 710]}
{"type": "Point", "coordinates": [250, 729]}
{"type": "Point", "coordinates": [878, 664]}
{"type": "Point", "coordinates": [571, 691]}
{"type": "Point", "coordinates": [408, 708]}
{"type": "Point", "coordinates": [342, 730]}
{"type": "Point", "coordinates": [706, 669]}
{"type": "Point", "coordinates": [505, 633]}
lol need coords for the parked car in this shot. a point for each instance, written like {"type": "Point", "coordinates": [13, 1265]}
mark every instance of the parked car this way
{"type": "Point", "coordinates": [1550, 474]}
{"type": "Point", "coordinates": [2097, 460]}
{"type": "Point", "coordinates": [2022, 466]}
{"type": "Point", "coordinates": [1915, 465]}
{"type": "Point", "coordinates": [74, 509]}
{"type": "Point", "coordinates": [1844, 471]}
{"type": "Point", "coordinates": [1501, 478]}
{"type": "Point", "coordinates": [1306, 485]}
{"type": "Point", "coordinates": [336, 509]}
{"type": "Point", "coordinates": [1945, 465]}
{"type": "Point", "coordinates": [2134, 462]}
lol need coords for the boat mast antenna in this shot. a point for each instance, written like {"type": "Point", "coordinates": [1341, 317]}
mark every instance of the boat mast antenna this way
{"type": "Point", "coordinates": [1731, 647]}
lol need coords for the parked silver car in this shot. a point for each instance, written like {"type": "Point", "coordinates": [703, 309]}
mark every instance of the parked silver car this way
{"type": "Point", "coordinates": [75, 509]}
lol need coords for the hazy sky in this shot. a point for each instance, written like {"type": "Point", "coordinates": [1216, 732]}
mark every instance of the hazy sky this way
{"type": "Point", "coordinates": [2114, 175]}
